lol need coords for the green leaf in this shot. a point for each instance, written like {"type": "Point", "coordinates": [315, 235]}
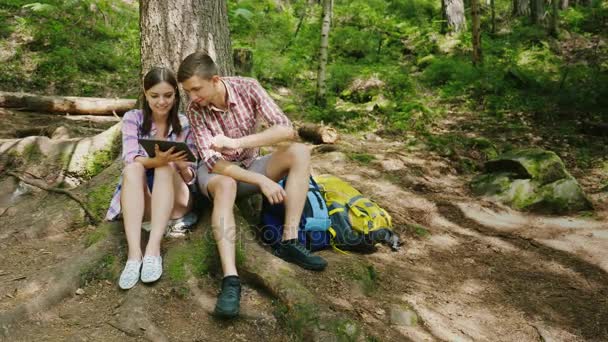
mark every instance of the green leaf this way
{"type": "Point", "coordinates": [38, 7]}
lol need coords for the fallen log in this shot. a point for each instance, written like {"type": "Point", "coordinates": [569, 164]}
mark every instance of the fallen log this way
{"type": "Point", "coordinates": [65, 104]}
{"type": "Point", "coordinates": [318, 134]}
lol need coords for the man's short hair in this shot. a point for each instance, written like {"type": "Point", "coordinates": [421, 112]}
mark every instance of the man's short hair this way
{"type": "Point", "coordinates": [199, 64]}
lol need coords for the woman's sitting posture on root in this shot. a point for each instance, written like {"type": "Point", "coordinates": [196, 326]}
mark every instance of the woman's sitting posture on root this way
{"type": "Point", "coordinates": [154, 189]}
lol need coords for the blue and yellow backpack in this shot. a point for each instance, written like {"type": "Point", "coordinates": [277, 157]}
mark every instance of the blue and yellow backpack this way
{"type": "Point", "coordinates": [314, 224]}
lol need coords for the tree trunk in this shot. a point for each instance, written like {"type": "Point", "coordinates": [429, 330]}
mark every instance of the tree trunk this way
{"type": "Point", "coordinates": [521, 8]}
{"type": "Point", "coordinates": [563, 4]}
{"type": "Point", "coordinates": [65, 104]}
{"type": "Point", "coordinates": [453, 13]}
{"type": "Point", "coordinates": [171, 30]}
{"type": "Point", "coordinates": [477, 58]}
{"type": "Point", "coordinates": [321, 87]}
{"type": "Point", "coordinates": [493, 7]}
{"type": "Point", "coordinates": [537, 11]}
{"type": "Point", "coordinates": [554, 30]}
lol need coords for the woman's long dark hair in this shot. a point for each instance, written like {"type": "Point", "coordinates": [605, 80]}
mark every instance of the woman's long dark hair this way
{"type": "Point", "coordinates": [152, 78]}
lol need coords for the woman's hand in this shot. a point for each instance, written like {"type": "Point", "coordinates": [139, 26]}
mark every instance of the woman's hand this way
{"type": "Point", "coordinates": [164, 158]}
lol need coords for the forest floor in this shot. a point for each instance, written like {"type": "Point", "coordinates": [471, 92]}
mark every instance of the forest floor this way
{"type": "Point", "coordinates": [469, 269]}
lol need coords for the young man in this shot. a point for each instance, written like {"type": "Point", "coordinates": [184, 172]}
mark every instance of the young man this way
{"type": "Point", "coordinates": [224, 113]}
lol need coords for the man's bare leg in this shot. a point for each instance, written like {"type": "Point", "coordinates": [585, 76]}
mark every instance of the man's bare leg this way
{"type": "Point", "coordinates": [294, 161]}
{"type": "Point", "coordinates": [223, 191]}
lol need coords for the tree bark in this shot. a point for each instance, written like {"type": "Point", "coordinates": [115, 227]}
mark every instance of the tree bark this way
{"type": "Point", "coordinates": [554, 30]}
{"type": "Point", "coordinates": [65, 104]}
{"type": "Point", "coordinates": [477, 58]}
{"type": "Point", "coordinates": [171, 30]}
{"type": "Point", "coordinates": [563, 4]}
{"type": "Point", "coordinates": [521, 8]}
{"type": "Point", "coordinates": [493, 7]}
{"type": "Point", "coordinates": [453, 13]}
{"type": "Point", "coordinates": [537, 11]}
{"type": "Point", "coordinates": [325, 28]}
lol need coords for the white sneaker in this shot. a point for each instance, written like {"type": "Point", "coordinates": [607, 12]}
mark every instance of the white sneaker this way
{"type": "Point", "coordinates": [130, 275]}
{"type": "Point", "coordinates": [151, 269]}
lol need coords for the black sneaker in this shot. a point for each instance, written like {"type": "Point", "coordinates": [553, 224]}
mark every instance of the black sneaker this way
{"type": "Point", "coordinates": [228, 302]}
{"type": "Point", "coordinates": [293, 251]}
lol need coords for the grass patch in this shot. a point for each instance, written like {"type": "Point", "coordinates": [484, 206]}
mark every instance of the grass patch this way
{"type": "Point", "coordinates": [419, 230]}
{"type": "Point", "coordinates": [95, 236]}
{"type": "Point", "coordinates": [363, 158]}
{"type": "Point", "coordinates": [301, 319]}
{"type": "Point", "coordinates": [363, 274]}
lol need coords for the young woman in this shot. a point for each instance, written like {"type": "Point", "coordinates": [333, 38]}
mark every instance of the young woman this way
{"type": "Point", "coordinates": [154, 189]}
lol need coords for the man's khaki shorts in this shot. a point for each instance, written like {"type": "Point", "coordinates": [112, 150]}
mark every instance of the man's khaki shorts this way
{"type": "Point", "coordinates": [242, 189]}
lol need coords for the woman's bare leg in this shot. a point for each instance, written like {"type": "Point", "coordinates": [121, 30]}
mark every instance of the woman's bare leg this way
{"type": "Point", "coordinates": [133, 203]}
{"type": "Point", "coordinates": [163, 194]}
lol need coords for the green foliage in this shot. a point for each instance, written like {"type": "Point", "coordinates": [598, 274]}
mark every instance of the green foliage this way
{"type": "Point", "coordinates": [76, 47]}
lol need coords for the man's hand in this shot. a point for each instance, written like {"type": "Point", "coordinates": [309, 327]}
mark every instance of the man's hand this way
{"type": "Point", "coordinates": [273, 191]}
{"type": "Point", "coordinates": [164, 158]}
{"type": "Point", "coordinates": [221, 142]}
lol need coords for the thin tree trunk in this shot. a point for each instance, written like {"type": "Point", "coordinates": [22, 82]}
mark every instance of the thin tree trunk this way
{"type": "Point", "coordinates": [454, 15]}
{"type": "Point", "coordinates": [493, 7]}
{"type": "Point", "coordinates": [477, 57]}
{"type": "Point", "coordinates": [325, 28]}
{"type": "Point", "coordinates": [563, 4]}
{"type": "Point", "coordinates": [521, 8]}
{"type": "Point", "coordinates": [298, 27]}
{"type": "Point", "coordinates": [554, 18]}
{"type": "Point", "coordinates": [537, 11]}
{"type": "Point", "coordinates": [171, 30]}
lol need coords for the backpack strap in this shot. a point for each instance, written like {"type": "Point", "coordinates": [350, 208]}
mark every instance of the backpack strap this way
{"type": "Point", "coordinates": [320, 218]}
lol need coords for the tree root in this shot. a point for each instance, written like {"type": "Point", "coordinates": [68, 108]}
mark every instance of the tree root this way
{"type": "Point", "coordinates": [41, 185]}
{"type": "Point", "coordinates": [63, 279]}
{"type": "Point", "coordinates": [133, 318]}
{"type": "Point", "coordinates": [279, 279]}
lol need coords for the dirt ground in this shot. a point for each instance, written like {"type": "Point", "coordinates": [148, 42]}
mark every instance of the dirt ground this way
{"type": "Point", "coordinates": [469, 269]}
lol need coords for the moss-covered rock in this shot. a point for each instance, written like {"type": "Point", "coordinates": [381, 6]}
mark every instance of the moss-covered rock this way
{"type": "Point", "coordinates": [491, 184]}
{"type": "Point", "coordinates": [532, 180]}
{"type": "Point", "coordinates": [363, 90]}
{"type": "Point", "coordinates": [536, 164]}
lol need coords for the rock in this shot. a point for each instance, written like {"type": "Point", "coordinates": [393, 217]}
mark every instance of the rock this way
{"type": "Point", "coordinates": [532, 180]}
{"type": "Point", "coordinates": [392, 165]}
{"type": "Point", "coordinates": [60, 132]}
{"type": "Point", "coordinates": [539, 165]}
{"type": "Point", "coordinates": [372, 137]}
{"type": "Point", "coordinates": [363, 90]}
{"type": "Point", "coordinates": [403, 316]}
{"type": "Point", "coordinates": [80, 292]}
